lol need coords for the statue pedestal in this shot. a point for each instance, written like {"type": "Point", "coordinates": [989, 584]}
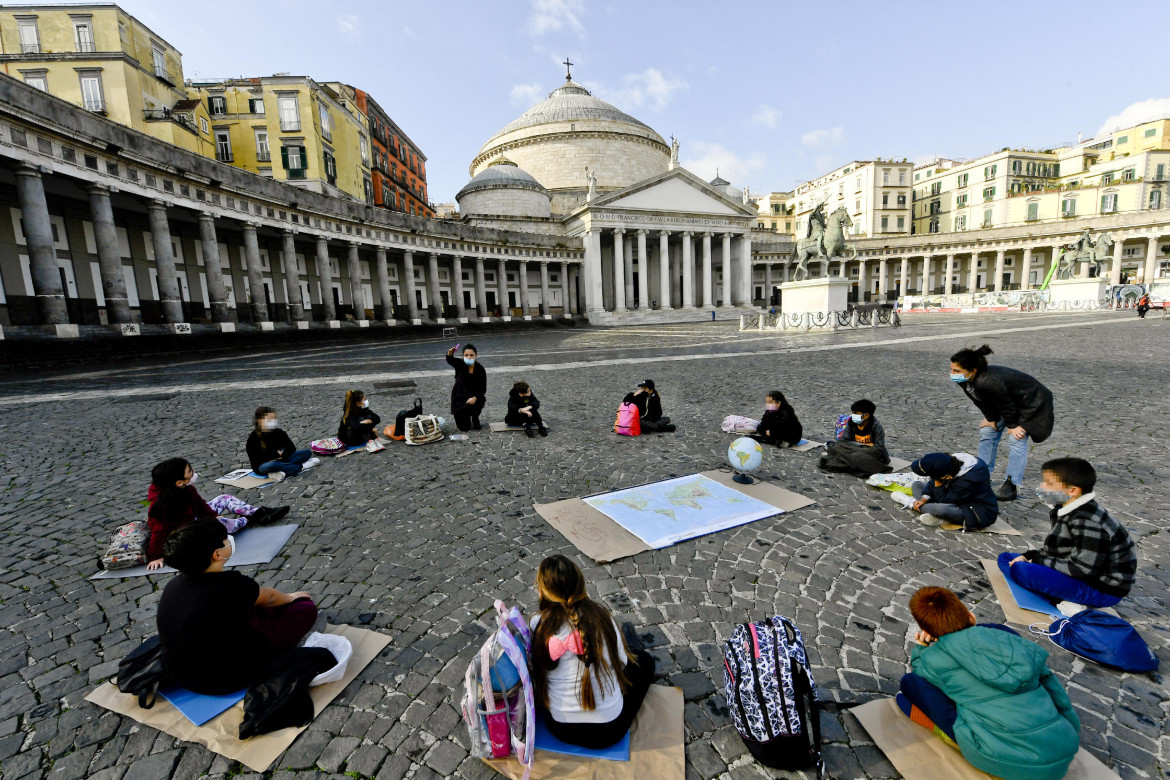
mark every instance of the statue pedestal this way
{"type": "Point", "coordinates": [815, 295]}
{"type": "Point", "coordinates": [1077, 293]}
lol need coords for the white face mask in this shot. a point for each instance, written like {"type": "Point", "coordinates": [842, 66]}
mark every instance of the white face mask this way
{"type": "Point", "coordinates": [193, 480]}
{"type": "Point", "coordinates": [231, 546]}
{"type": "Point", "coordinates": [364, 404]}
{"type": "Point", "coordinates": [270, 425]}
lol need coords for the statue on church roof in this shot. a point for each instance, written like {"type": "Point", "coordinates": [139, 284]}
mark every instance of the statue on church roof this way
{"type": "Point", "coordinates": [591, 177]}
{"type": "Point", "coordinates": [747, 195]}
{"type": "Point", "coordinates": [674, 150]}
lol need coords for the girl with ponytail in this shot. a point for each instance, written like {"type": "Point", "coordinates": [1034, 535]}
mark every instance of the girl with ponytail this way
{"type": "Point", "coordinates": [586, 684]}
{"type": "Point", "coordinates": [358, 423]}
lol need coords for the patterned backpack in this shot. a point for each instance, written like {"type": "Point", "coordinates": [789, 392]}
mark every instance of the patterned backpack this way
{"type": "Point", "coordinates": [842, 424]}
{"type": "Point", "coordinates": [128, 547]}
{"type": "Point", "coordinates": [498, 704]}
{"type": "Point", "coordinates": [771, 694]}
{"type": "Point", "coordinates": [330, 446]}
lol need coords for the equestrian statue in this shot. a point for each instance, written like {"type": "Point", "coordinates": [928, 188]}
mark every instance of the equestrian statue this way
{"type": "Point", "coordinates": [1085, 250]}
{"type": "Point", "coordinates": [825, 239]}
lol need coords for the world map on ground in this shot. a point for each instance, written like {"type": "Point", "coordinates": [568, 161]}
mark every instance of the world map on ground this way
{"type": "Point", "coordinates": [665, 513]}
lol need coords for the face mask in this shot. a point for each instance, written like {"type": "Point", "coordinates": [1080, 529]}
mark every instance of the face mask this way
{"type": "Point", "coordinates": [469, 361]}
{"type": "Point", "coordinates": [270, 425]}
{"type": "Point", "coordinates": [771, 407]}
{"type": "Point", "coordinates": [857, 418]}
{"type": "Point", "coordinates": [1053, 498]}
{"type": "Point", "coordinates": [960, 378]}
{"type": "Point", "coordinates": [364, 404]}
{"type": "Point", "coordinates": [231, 546]}
{"type": "Point", "coordinates": [193, 480]}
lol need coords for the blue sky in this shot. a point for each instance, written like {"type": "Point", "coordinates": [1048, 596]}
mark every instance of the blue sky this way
{"type": "Point", "coordinates": [771, 93]}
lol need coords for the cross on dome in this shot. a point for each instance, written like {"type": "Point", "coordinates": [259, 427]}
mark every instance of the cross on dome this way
{"type": "Point", "coordinates": [568, 69]}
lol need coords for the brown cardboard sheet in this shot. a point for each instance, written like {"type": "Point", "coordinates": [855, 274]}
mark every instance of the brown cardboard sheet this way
{"type": "Point", "coordinates": [998, 527]}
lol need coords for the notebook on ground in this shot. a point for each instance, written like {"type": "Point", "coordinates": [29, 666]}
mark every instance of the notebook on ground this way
{"type": "Point", "coordinates": [199, 707]}
{"type": "Point", "coordinates": [253, 546]}
{"type": "Point", "coordinates": [546, 741]}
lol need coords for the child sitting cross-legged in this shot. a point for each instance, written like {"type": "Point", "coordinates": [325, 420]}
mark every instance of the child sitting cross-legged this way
{"type": "Point", "coordinates": [957, 490]}
{"type": "Point", "coordinates": [524, 410]}
{"type": "Point", "coordinates": [987, 691]}
{"type": "Point", "coordinates": [1087, 559]}
{"type": "Point", "coordinates": [779, 424]}
{"type": "Point", "coordinates": [586, 685]}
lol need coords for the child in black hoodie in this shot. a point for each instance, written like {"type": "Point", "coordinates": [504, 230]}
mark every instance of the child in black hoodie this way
{"type": "Point", "coordinates": [649, 405]}
{"type": "Point", "coordinates": [523, 409]}
{"type": "Point", "coordinates": [779, 425]}
{"type": "Point", "coordinates": [358, 424]}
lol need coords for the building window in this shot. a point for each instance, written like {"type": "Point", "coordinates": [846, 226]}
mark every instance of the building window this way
{"type": "Point", "coordinates": [885, 176]}
{"type": "Point", "coordinates": [223, 145]}
{"type": "Point", "coordinates": [37, 80]}
{"type": "Point", "coordinates": [989, 172]}
{"type": "Point", "coordinates": [963, 179]}
{"type": "Point", "coordinates": [1033, 212]}
{"type": "Point", "coordinates": [1109, 203]}
{"type": "Point", "coordinates": [256, 105]}
{"type": "Point", "coordinates": [934, 226]}
{"type": "Point", "coordinates": [326, 123]}
{"type": "Point", "coordinates": [1127, 174]}
{"type": "Point", "coordinates": [160, 63]}
{"type": "Point", "coordinates": [369, 191]}
{"type": "Point", "coordinates": [935, 206]}
{"type": "Point", "coordinates": [885, 199]}
{"type": "Point", "coordinates": [988, 193]}
{"type": "Point", "coordinates": [293, 158]}
{"type": "Point", "coordinates": [901, 177]}
{"type": "Point", "coordinates": [901, 223]}
{"type": "Point", "coordinates": [217, 105]}
{"type": "Point", "coordinates": [263, 153]}
{"type": "Point", "coordinates": [1068, 207]}
{"type": "Point", "coordinates": [987, 218]}
{"type": "Point", "coordinates": [1156, 199]}
{"type": "Point", "coordinates": [936, 188]}
{"type": "Point", "coordinates": [961, 200]}
{"type": "Point", "coordinates": [902, 199]}
{"type": "Point", "coordinates": [364, 149]}
{"type": "Point", "coordinates": [885, 223]}
{"type": "Point", "coordinates": [1123, 139]}
{"type": "Point", "coordinates": [330, 168]}
{"type": "Point", "coordinates": [83, 36]}
{"type": "Point", "coordinates": [961, 223]}
{"type": "Point", "coordinates": [1017, 167]}
{"type": "Point", "coordinates": [203, 125]}
{"type": "Point", "coordinates": [290, 116]}
{"type": "Point", "coordinates": [30, 40]}
{"type": "Point", "coordinates": [91, 92]}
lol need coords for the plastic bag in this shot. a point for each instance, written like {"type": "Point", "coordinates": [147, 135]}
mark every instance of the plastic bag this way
{"type": "Point", "coordinates": [342, 650]}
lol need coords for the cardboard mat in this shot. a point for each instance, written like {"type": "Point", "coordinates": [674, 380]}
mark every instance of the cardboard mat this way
{"type": "Point", "coordinates": [897, 464]}
{"type": "Point", "coordinates": [1030, 611]}
{"type": "Point", "coordinates": [245, 479]}
{"type": "Point", "coordinates": [500, 427]}
{"type": "Point", "coordinates": [604, 540]}
{"type": "Point", "coordinates": [221, 734]}
{"type": "Point", "coordinates": [998, 527]}
{"type": "Point", "coordinates": [656, 748]}
{"type": "Point", "coordinates": [806, 445]}
{"type": "Point", "coordinates": [253, 546]}
{"type": "Point", "coordinates": [919, 755]}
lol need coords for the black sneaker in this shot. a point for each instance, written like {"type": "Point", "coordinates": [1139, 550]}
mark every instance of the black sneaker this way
{"type": "Point", "coordinates": [1007, 491]}
{"type": "Point", "coordinates": [475, 426]}
{"type": "Point", "coordinates": [543, 431]}
{"type": "Point", "coordinates": [268, 515]}
{"type": "Point", "coordinates": [529, 431]}
{"type": "Point", "coordinates": [668, 429]}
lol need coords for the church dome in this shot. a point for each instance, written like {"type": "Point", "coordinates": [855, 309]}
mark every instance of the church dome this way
{"type": "Point", "coordinates": [504, 189]}
{"type": "Point", "coordinates": [570, 131]}
{"type": "Point", "coordinates": [501, 173]}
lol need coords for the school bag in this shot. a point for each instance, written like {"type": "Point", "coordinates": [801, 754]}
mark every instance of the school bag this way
{"type": "Point", "coordinates": [397, 432]}
{"type": "Point", "coordinates": [141, 673]}
{"type": "Point", "coordinates": [330, 446]}
{"type": "Point", "coordinates": [423, 429]}
{"type": "Point", "coordinates": [501, 714]}
{"type": "Point", "coordinates": [1101, 637]}
{"type": "Point", "coordinates": [128, 547]}
{"type": "Point", "coordinates": [629, 420]}
{"type": "Point", "coordinates": [737, 423]}
{"type": "Point", "coordinates": [842, 424]}
{"type": "Point", "coordinates": [771, 694]}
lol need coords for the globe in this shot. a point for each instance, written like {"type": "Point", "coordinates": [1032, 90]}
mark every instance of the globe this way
{"type": "Point", "coordinates": [745, 455]}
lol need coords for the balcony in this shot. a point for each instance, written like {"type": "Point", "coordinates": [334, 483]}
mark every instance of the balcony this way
{"type": "Point", "coordinates": [162, 74]}
{"type": "Point", "coordinates": [166, 115]}
{"type": "Point", "coordinates": [290, 125]}
{"type": "Point", "coordinates": [224, 155]}
{"type": "Point", "coordinates": [30, 48]}
{"type": "Point", "coordinates": [86, 47]}
{"type": "Point", "coordinates": [263, 155]}
{"type": "Point", "coordinates": [96, 106]}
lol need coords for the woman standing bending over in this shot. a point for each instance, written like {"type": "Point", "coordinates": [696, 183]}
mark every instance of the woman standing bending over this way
{"type": "Point", "coordinates": [467, 396]}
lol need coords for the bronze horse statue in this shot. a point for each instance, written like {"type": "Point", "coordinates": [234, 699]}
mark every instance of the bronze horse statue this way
{"type": "Point", "coordinates": [829, 245]}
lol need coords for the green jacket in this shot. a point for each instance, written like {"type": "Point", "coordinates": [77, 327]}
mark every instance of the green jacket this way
{"type": "Point", "coordinates": [1015, 720]}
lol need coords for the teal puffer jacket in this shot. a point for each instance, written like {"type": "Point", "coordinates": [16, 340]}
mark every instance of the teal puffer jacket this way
{"type": "Point", "coordinates": [1015, 720]}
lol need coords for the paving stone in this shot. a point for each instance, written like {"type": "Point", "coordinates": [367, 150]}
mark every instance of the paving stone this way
{"type": "Point", "coordinates": [152, 767]}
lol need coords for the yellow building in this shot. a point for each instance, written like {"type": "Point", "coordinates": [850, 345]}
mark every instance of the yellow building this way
{"type": "Point", "coordinates": [106, 61]}
{"type": "Point", "coordinates": [290, 128]}
{"type": "Point", "coordinates": [775, 213]}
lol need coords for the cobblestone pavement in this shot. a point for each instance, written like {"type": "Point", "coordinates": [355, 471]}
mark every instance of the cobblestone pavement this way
{"type": "Point", "coordinates": [416, 542]}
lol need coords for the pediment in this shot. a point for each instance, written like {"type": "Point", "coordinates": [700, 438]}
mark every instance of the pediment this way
{"type": "Point", "coordinates": [677, 191]}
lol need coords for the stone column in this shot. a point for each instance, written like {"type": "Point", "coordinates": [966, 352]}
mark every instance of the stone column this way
{"type": "Point", "coordinates": [643, 292]}
{"type": "Point", "coordinates": [784, 265]}
{"type": "Point", "coordinates": [664, 269]}
{"type": "Point", "coordinates": [1150, 269]}
{"type": "Point", "coordinates": [999, 256]}
{"type": "Point", "coordinates": [904, 276]}
{"type": "Point", "coordinates": [727, 296]}
{"type": "Point", "coordinates": [545, 298]}
{"type": "Point", "coordinates": [409, 288]}
{"type": "Point", "coordinates": [862, 282]}
{"type": "Point", "coordinates": [1026, 273]}
{"type": "Point", "coordinates": [973, 274]}
{"type": "Point", "coordinates": [105, 236]}
{"type": "Point", "coordinates": [457, 286]}
{"type": "Point", "coordinates": [619, 270]}
{"type": "Point", "coordinates": [288, 260]}
{"type": "Point", "coordinates": [252, 263]}
{"type": "Point", "coordinates": [502, 287]}
{"type": "Point", "coordinates": [592, 272]}
{"type": "Point", "coordinates": [947, 287]}
{"type": "Point", "coordinates": [279, 284]}
{"type": "Point", "coordinates": [480, 290]}
{"type": "Point", "coordinates": [1056, 252]}
{"type": "Point", "coordinates": [767, 284]}
{"type": "Point", "coordinates": [356, 294]}
{"type": "Point", "coordinates": [688, 271]}
{"type": "Point", "coordinates": [325, 280]}
{"type": "Point", "coordinates": [708, 297]}
{"type": "Point", "coordinates": [745, 269]}
{"type": "Point", "coordinates": [436, 300]}
{"type": "Point", "coordinates": [213, 267]}
{"type": "Point", "coordinates": [42, 255]}
{"type": "Point", "coordinates": [382, 269]}
{"type": "Point", "coordinates": [883, 279]}
{"type": "Point", "coordinates": [566, 303]}
{"type": "Point", "coordinates": [530, 310]}
{"type": "Point", "coordinates": [164, 262]}
{"type": "Point", "coordinates": [924, 275]}
{"type": "Point", "coordinates": [628, 254]}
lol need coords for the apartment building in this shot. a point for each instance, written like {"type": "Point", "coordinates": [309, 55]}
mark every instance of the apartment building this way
{"type": "Point", "coordinates": [877, 195]}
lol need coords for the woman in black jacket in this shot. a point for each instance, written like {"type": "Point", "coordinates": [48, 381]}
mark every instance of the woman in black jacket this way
{"type": "Point", "coordinates": [779, 424]}
{"type": "Point", "coordinates": [358, 424]}
{"type": "Point", "coordinates": [271, 450]}
{"type": "Point", "coordinates": [649, 404]}
{"type": "Point", "coordinates": [468, 394]}
{"type": "Point", "coordinates": [524, 410]}
{"type": "Point", "coordinates": [1010, 401]}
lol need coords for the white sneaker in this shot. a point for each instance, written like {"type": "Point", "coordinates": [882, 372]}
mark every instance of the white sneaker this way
{"type": "Point", "coordinates": [277, 476]}
{"type": "Point", "coordinates": [310, 463]}
{"type": "Point", "coordinates": [904, 499]}
{"type": "Point", "coordinates": [1070, 608]}
{"type": "Point", "coordinates": [931, 520]}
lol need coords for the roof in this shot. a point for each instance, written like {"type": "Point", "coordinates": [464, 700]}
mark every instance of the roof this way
{"type": "Point", "coordinates": [501, 173]}
{"type": "Point", "coordinates": [566, 103]}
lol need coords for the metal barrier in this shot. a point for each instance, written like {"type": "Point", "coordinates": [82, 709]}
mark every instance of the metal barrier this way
{"type": "Point", "coordinates": [852, 319]}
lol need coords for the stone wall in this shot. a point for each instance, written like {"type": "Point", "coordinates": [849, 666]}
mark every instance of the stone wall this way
{"type": "Point", "coordinates": [506, 201]}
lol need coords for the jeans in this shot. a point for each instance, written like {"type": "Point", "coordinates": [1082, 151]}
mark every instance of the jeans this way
{"type": "Point", "coordinates": [1052, 584]}
{"type": "Point", "coordinates": [289, 467]}
{"type": "Point", "coordinates": [951, 512]}
{"type": "Point", "coordinates": [934, 704]}
{"type": "Point", "coordinates": [225, 504]}
{"type": "Point", "coordinates": [596, 736]}
{"type": "Point", "coordinates": [1017, 451]}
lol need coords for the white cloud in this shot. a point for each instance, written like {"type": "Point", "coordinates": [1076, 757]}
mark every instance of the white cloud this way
{"type": "Point", "coordinates": [349, 25]}
{"type": "Point", "coordinates": [409, 31]}
{"type": "Point", "coordinates": [764, 116]}
{"type": "Point", "coordinates": [704, 159]}
{"type": "Point", "coordinates": [1136, 114]}
{"type": "Point", "coordinates": [823, 137]}
{"type": "Point", "coordinates": [650, 88]}
{"type": "Point", "coordinates": [526, 94]}
{"type": "Point", "coordinates": [556, 15]}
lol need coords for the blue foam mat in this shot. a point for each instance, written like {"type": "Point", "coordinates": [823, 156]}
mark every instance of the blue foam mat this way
{"type": "Point", "coordinates": [547, 742]}
{"type": "Point", "coordinates": [1026, 599]}
{"type": "Point", "coordinates": [197, 707]}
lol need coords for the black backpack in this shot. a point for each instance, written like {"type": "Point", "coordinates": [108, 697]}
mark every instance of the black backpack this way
{"type": "Point", "coordinates": [141, 673]}
{"type": "Point", "coordinates": [399, 432]}
{"type": "Point", "coordinates": [771, 694]}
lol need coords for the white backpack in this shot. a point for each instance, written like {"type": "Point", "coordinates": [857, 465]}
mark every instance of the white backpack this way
{"type": "Point", "coordinates": [423, 429]}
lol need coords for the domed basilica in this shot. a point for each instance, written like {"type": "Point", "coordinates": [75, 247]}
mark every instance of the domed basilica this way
{"type": "Point", "coordinates": [659, 241]}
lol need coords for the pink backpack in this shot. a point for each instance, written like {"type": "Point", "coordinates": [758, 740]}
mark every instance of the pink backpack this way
{"type": "Point", "coordinates": [330, 446]}
{"type": "Point", "coordinates": [629, 421]}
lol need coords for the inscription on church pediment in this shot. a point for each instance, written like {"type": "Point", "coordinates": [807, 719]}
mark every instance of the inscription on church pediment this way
{"type": "Point", "coordinates": [663, 219]}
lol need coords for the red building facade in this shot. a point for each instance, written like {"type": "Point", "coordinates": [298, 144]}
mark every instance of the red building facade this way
{"type": "Point", "coordinates": [397, 166]}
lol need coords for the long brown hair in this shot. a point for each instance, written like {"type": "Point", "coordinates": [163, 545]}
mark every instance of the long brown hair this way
{"type": "Point", "coordinates": [563, 600]}
{"type": "Point", "coordinates": [352, 399]}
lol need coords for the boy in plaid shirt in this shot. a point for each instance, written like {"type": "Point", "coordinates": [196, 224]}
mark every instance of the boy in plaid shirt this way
{"type": "Point", "coordinates": [1087, 560]}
